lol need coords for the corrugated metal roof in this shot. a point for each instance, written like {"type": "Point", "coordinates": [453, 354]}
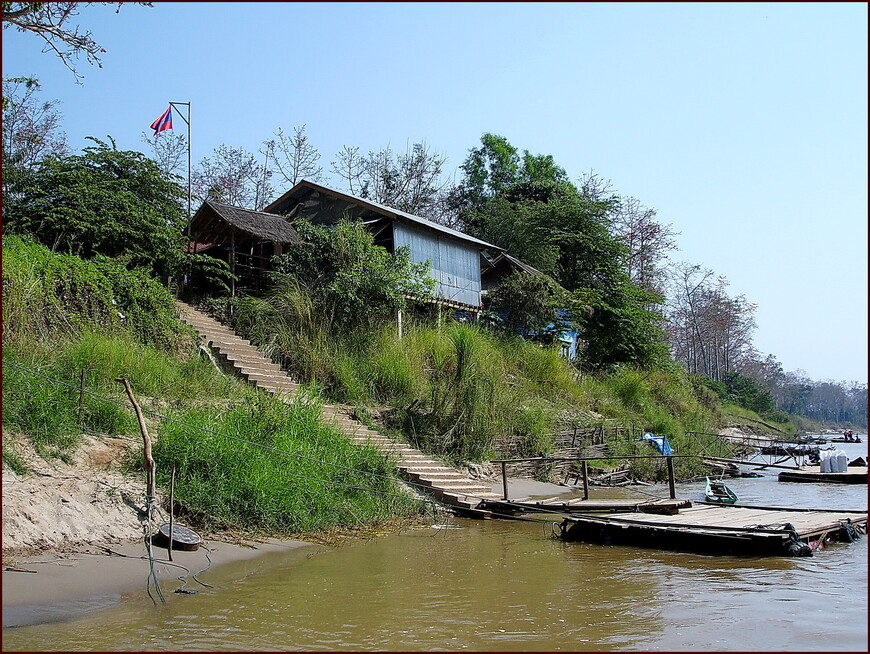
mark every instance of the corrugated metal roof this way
{"type": "Point", "coordinates": [304, 187]}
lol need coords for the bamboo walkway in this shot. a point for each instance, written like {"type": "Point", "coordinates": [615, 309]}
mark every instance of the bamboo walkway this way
{"type": "Point", "coordinates": [235, 354]}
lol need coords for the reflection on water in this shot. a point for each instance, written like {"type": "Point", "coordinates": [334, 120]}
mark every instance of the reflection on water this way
{"type": "Point", "coordinates": [505, 586]}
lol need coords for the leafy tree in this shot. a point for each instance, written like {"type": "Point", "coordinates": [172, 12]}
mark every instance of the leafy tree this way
{"type": "Point", "coordinates": [51, 21]}
{"type": "Point", "coordinates": [105, 201]}
{"type": "Point", "coordinates": [530, 304]}
{"type": "Point", "coordinates": [527, 205]}
{"type": "Point", "coordinates": [351, 281]}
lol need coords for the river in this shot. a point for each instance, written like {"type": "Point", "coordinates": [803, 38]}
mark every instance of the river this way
{"type": "Point", "coordinates": [504, 586]}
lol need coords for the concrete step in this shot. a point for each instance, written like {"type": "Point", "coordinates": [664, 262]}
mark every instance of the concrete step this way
{"type": "Point", "coordinates": [245, 360]}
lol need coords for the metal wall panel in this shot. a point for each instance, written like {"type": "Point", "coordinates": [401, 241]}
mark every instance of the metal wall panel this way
{"type": "Point", "coordinates": [455, 266]}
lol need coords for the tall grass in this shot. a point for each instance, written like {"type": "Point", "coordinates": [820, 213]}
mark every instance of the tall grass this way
{"type": "Point", "coordinates": [276, 468]}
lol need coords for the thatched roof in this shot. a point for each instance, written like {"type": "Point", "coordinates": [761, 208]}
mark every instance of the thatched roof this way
{"type": "Point", "coordinates": [216, 223]}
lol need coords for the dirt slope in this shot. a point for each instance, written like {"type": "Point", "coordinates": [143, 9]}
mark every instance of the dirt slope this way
{"type": "Point", "coordinates": [62, 506]}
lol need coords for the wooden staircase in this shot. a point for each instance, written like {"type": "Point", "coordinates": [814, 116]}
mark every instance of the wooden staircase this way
{"type": "Point", "coordinates": [426, 474]}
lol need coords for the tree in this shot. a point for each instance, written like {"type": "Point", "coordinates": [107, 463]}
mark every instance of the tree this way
{"type": "Point", "coordinates": [527, 205]}
{"type": "Point", "coordinates": [50, 21]}
{"type": "Point", "coordinates": [709, 331]}
{"type": "Point", "coordinates": [409, 182]}
{"type": "Point", "coordinates": [530, 304]}
{"type": "Point", "coordinates": [294, 157]}
{"type": "Point", "coordinates": [232, 176]}
{"type": "Point", "coordinates": [351, 281]}
{"type": "Point", "coordinates": [170, 151]}
{"type": "Point", "coordinates": [647, 240]}
{"type": "Point", "coordinates": [104, 201]}
{"type": "Point", "coordinates": [31, 132]}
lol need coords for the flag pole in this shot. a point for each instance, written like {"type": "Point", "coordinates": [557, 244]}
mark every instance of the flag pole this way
{"type": "Point", "coordinates": [186, 120]}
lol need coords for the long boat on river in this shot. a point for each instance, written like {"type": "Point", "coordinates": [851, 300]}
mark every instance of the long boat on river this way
{"type": "Point", "coordinates": [726, 529]}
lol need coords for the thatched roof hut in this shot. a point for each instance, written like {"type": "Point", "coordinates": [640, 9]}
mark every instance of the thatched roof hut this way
{"type": "Point", "coordinates": [222, 224]}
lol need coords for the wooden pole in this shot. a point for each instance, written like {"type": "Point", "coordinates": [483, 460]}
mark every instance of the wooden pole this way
{"type": "Point", "coordinates": [671, 486]}
{"type": "Point", "coordinates": [171, 512]}
{"type": "Point", "coordinates": [585, 468]}
{"type": "Point", "coordinates": [149, 460]}
{"type": "Point", "coordinates": [504, 481]}
{"type": "Point", "coordinates": [399, 317]}
{"type": "Point", "coordinates": [81, 397]}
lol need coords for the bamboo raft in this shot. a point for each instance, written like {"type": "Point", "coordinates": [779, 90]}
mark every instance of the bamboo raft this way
{"type": "Point", "coordinates": [581, 505]}
{"type": "Point", "coordinates": [709, 529]}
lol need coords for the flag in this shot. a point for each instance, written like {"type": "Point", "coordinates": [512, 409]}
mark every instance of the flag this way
{"type": "Point", "coordinates": [164, 122]}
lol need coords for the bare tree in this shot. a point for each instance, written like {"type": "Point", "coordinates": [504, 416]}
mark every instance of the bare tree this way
{"type": "Point", "coordinates": [31, 127]}
{"type": "Point", "coordinates": [648, 242]}
{"type": "Point", "coordinates": [51, 21]}
{"type": "Point", "coordinates": [410, 181]}
{"type": "Point", "coordinates": [232, 176]}
{"type": "Point", "coordinates": [293, 157]}
{"type": "Point", "coordinates": [709, 331]}
{"type": "Point", "coordinates": [170, 152]}
{"type": "Point", "coordinates": [31, 132]}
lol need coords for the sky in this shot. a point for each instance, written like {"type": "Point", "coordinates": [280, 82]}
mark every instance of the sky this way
{"type": "Point", "coordinates": [744, 125]}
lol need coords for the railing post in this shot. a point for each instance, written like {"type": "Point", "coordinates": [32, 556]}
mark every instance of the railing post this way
{"type": "Point", "coordinates": [504, 481]}
{"type": "Point", "coordinates": [671, 486]}
{"type": "Point", "coordinates": [585, 469]}
{"type": "Point", "coordinates": [81, 397]}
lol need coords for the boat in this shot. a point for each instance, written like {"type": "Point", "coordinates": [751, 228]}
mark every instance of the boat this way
{"type": "Point", "coordinates": [718, 493]}
{"type": "Point", "coordinates": [843, 439]}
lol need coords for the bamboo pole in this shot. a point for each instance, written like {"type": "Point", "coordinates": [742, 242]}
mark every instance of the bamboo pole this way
{"type": "Point", "coordinates": [171, 512]}
{"type": "Point", "coordinates": [81, 397]}
{"type": "Point", "coordinates": [149, 460]}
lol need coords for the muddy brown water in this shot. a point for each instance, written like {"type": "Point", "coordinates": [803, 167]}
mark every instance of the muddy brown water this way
{"type": "Point", "coordinates": [498, 586]}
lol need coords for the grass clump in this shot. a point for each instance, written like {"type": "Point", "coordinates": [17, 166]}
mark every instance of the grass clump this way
{"type": "Point", "coordinates": [274, 467]}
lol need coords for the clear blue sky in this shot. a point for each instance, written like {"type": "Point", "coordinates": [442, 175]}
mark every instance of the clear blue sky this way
{"type": "Point", "coordinates": [744, 125]}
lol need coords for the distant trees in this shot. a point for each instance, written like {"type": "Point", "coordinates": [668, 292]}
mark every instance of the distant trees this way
{"type": "Point", "coordinates": [51, 21]}
{"type": "Point", "coordinates": [709, 332]}
{"type": "Point", "coordinates": [647, 240]}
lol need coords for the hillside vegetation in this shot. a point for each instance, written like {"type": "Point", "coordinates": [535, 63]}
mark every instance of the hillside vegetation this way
{"type": "Point", "coordinates": [243, 460]}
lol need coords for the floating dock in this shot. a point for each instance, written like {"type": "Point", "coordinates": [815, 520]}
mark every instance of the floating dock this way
{"type": "Point", "coordinates": [714, 529]}
{"type": "Point", "coordinates": [813, 474]}
{"type": "Point", "coordinates": [581, 505]}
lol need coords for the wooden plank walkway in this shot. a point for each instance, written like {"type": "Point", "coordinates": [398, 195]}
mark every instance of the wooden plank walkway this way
{"type": "Point", "coordinates": [426, 474]}
{"type": "Point", "coordinates": [715, 529]}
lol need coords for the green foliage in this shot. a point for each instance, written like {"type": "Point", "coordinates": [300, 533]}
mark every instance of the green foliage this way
{"type": "Point", "coordinates": [350, 281]}
{"type": "Point", "coordinates": [55, 296]}
{"type": "Point", "coordinates": [104, 201]}
{"type": "Point", "coordinates": [530, 303]}
{"type": "Point", "coordinates": [529, 207]}
{"type": "Point", "coordinates": [280, 471]}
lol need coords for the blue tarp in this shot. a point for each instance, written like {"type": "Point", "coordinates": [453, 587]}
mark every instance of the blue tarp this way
{"type": "Point", "coordinates": [660, 443]}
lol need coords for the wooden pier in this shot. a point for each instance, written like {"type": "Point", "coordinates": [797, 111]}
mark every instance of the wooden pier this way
{"type": "Point", "coordinates": [813, 474]}
{"type": "Point", "coordinates": [708, 529]}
